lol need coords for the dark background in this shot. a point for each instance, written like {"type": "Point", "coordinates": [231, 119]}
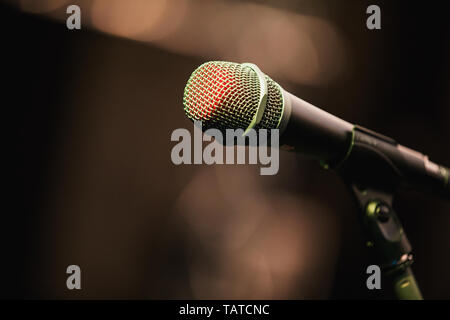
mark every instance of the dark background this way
{"type": "Point", "coordinates": [93, 185]}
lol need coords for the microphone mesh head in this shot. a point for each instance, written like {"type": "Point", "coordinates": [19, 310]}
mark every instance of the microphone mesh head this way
{"type": "Point", "coordinates": [225, 95]}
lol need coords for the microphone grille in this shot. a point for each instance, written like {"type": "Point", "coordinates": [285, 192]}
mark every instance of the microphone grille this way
{"type": "Point", "coordinates": [225, 95]}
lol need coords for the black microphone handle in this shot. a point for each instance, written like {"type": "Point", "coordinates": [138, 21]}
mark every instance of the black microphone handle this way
{"type": "Point", "coordinates": [307, 129]}
{"type": "Point", "coordinates": [360, 155]}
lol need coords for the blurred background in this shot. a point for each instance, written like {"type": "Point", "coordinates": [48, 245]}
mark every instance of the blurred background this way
{"type": "Point", "coordinates": [91, 114]}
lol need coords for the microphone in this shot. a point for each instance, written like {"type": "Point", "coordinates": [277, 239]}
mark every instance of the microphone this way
{"type": "Point", "coordinates": [226, 95]}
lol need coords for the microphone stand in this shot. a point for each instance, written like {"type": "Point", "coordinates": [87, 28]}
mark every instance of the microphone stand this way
{"type": "Point", "coordinates": [372, 179]}
{"type": "Point", "coordinates": [388, 238]}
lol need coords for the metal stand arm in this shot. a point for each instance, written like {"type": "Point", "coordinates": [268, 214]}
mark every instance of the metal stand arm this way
{"type": "Point", "coordinates": [388, 238]}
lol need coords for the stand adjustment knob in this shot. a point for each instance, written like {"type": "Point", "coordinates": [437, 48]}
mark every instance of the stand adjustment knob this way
{"type": "Point", "coordinates": [383, 212]}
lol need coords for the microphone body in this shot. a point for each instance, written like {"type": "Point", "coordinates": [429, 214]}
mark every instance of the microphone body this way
{"type": "Point", "coordinates": [307, 129]}
{"type": "Point", "coordinates": [362, 156]}
{"type": "Point", "coordinates": [239, 96]}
